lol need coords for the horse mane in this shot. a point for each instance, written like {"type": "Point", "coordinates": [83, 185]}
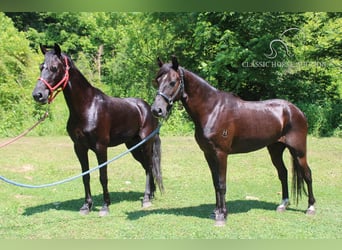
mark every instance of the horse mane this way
{"type": "Point", "coordinates": [73, 67]}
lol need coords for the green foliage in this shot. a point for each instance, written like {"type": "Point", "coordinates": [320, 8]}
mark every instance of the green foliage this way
{"type": "Point", "coordinates": [324, 119]}
{"type": "Point", "coordinates": [117, 52]}
{"type": "Point", "coordinates": [178, 122]}
{"type": "Point", "coordinates": [16, 78]}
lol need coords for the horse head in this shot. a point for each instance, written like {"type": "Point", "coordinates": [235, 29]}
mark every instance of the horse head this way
{"type": "Point", "coordinates": [170, 84]}
{"type": "Point", "coordinates": [54, 74]}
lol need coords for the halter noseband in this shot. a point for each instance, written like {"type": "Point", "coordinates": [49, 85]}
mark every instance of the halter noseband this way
{"type": "Point", "coordinates": [171, 99]}
{"type": "Point", "coordinates": [61, 84]}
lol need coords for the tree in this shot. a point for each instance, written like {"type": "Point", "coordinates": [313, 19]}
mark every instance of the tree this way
{"type": "Point", "coordinates": [295, 56]}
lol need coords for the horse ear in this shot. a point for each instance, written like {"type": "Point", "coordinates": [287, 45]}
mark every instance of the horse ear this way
{"type": "Point", "coordinates": [174, 62]}
{"type": "Point", "coordinates": [160, 62]}
{"type": "Point", "coordinates": [42, 48]}
{"type": "Point", "coordinates": [57, 50]}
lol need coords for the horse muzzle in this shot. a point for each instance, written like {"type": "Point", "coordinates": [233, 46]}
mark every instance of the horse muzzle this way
{"type": "Point", "coordinates": [160, 109]}
{"type": "Point", "coordinates": [158, 112]}
{"type": "Point", "coordinates": [41, 95]}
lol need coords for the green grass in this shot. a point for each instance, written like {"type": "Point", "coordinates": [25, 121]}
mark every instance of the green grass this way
{"type": "Point", "coordinates": [182, 212]}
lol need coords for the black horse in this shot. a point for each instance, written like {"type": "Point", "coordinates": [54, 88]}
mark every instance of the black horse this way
{"type": "Point", "coordinates": [225, 124]}
{"type": "Point", "coordinates": [97, 121]}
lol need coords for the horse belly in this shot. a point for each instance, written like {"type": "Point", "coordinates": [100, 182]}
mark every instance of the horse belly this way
{"type": "Point", "coordinates": [129, 120]}
{"type": "Point", "coordinates": [246, 145]}
{"type": "Point", "coordinates": [124, 130]}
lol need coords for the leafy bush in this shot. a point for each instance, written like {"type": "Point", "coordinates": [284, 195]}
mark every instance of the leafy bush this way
{"type": "Point", "coordinates": [16, 77]}
{"type": "Point", "coordinates": [323, 119]}
{"type": "Point", "coordinates": [178, 122]}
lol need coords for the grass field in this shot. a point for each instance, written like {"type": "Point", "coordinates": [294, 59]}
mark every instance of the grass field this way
{"type": "Point", "coordinates": [182, 212]}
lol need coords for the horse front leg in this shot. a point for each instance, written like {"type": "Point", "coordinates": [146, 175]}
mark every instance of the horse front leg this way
{"type": "Point", "coordinates": [82, 155]}
{"type": "Point", "coordinates": [217, 162]}
{"type": "Point", "coordinates": [101, 156]}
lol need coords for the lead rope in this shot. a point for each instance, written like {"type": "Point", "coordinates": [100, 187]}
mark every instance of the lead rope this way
{"type": "Point", "coordinates": [46, 114]}
{"type": "Point", "coordinates": [87, 172]}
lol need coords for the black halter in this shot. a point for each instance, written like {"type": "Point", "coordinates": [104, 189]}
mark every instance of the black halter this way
{"type": "Point", "coordinates": [170, 100]}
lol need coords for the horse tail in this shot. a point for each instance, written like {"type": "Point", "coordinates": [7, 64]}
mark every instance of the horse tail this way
{"type": "Point", "coordinates": [156, 166]}
{"type": "Point", "coordinates": [297, 180]}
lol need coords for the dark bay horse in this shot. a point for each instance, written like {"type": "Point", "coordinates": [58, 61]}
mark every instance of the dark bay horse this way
{"type": "Point", "coordinates": [226, 124]}
{"type": "Point", "coordinates": [97, 121]}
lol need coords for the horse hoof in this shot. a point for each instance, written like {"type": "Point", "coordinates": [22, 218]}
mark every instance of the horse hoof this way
{"type": "Point", "coordinates": [85, 209]}
{"type": "Point", "coordinates": [281, 209]}
{"type": "Point", "coordinates": [311, 211]}
{"type": "Point", "coordinates": [146, 204]}
{"type": "Point", "coordinates": [283, 205]}
{"type": "Point", "coordinates": [220, 218]}
{"type": "Point", "coordinates": [104, 211]}
{"type": "Point", "coordinates": [220, 223]}
{"type": "Point", "coordinates": [84, 212]}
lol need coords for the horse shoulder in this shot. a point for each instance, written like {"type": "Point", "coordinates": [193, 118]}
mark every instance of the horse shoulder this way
{"type": "Point", "coordinates": [216, 128]}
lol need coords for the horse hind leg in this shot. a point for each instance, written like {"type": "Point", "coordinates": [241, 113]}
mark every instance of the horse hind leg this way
{"type": "Point", "coordinates": [302, 172]}
{"type": "Point", "coordinates": [276, 152]}
{"type": "Point", "coordinates": [152, 165]}
{"type": "Point", "coordinates": [143, 155]}
{"type": "Point", "coordinates": [295, 139]}
{"type": "Point", "coordinates": [296, 143]}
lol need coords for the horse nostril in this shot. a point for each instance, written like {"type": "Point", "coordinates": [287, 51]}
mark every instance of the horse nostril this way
{"type": "Point", "coordinates": [37, 96]}
{"type": "Point", "coordinates": [157, 112]}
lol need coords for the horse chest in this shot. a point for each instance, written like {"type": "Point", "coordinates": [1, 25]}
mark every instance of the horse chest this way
{"type": "Point", "coordinates": [82, 129]}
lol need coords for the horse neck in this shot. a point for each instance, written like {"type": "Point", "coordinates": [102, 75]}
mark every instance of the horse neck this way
{"type": "Point", "coordinates": [197, 94]}
{"type": "Point", "coordinates": [78, 91]}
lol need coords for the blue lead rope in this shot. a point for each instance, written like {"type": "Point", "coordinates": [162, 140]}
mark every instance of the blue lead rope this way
{"type": "Point", "coordinates": [87, 172]}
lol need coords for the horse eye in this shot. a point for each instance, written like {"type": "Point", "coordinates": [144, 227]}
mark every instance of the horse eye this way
{"type": "Point", "coordinates": [41, 67]}
{"type": "Point", "coordinates": [172, 84]}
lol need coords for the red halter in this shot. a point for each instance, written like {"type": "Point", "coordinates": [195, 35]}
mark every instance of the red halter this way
{"type": "Point", "coordinates": [61, 84]}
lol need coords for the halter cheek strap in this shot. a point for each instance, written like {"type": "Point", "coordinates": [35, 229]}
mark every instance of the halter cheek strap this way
{"type": "Point", "coordinates": [60, 85]}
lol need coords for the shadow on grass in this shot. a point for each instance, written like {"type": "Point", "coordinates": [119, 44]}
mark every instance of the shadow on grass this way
{"type": "Point", "coordinates": [75, 204]}
{"type": "Point", "coordinates": [200, 211]}
{"type": "Point", "coordinates": [204, 210]}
